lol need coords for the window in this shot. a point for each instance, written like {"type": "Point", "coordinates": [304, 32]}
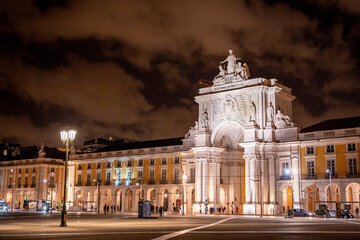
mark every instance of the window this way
{"type": "Point", "coordinates": [128, 176]}
{"type": "Point", "coordinates": [26, 170]}
{"type": "Point", "coordinates": [79, 179]}
{"type": "Point", "coordinates": [192, 174]}
{"type": "Point", "coordinates": [140, 174]}
{"type": "Point", "coordinates": [118, 164]}
{"type": "Point", "coordinates": [141, 162]}
{"type": "Point", "coordinates": [34, 170]}
{"type": "Point", "coordinates": [88, 179]}
{"type": "Point", "coordinates": [108, 177]}
{"type": "Point", "coordinates": [33, 180]}
{"type": "Point", "coordinates": [176, 160]}
{"type": "Point", "coordinates": [310, 169]}
{"type": "Point", "coordinates": [330, 148]}
{"type": "Point", "coordinates": [52, 182]}
{"type": "Point", "coordinates": [19, 182]}
{"type": "Point", "coordinates": [52, 170]}
{"type": "Point", "coordinates": [129, 163]}
{"type": "Point", "coordinates": [152, 161]}
{"type": "Point", "coordinates": [97, 176]}
{"type": "Point", "coordinates": [108, 164]}
{"type": "Point", "coordinates": [89, 166]}
{"type": "Point", "coordinates": [176, 174]}
{"type": "Point", "coordinates": [163, 161]}
{"type": "Point", "coordinates": [310, 150]}
{"type": "Point", "coordinates": [352, 166]}
{"type": "Point", "coordinates": [19, 170]}
{"type": "Point", "coordinates": [26, 181]}
{"type": "Point", "coordinates": [330, 165]}
{"type": "Point", "coordinates": [285, 171]}
{"type": "Point", "coordinates": [163, 175]}
{"type": "Point", "coordinates": [152, 175]}
{"type": "Point", "coordinates": [79, 167]}
{"type": "Point", "coordinates": [118, 175]}
{"type": "Point", "coordinates": [351, 147]}
{"type": "Point", "coordinates": [98, 165]}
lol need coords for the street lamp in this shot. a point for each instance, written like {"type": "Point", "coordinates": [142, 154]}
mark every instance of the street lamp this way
{"type": "Point", "coordinates": [329, 172]}
{"type": "Point", "coordinates": [98, 181]}
{"type": "Point", "coordinates": [184, 195]}
{"type": "Point", "coordinates": [66, 137]}
{"type": "Point", "coordinates": [13, 195]}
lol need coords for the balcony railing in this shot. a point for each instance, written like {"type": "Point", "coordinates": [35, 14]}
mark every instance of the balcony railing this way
{"type": "Point", "coordinates": [151, 181]}
{"type": "Point", "coordinates": [163, 181]}
{"type": "Point", "coordinates": [26, 185]}
{"type": "Point", "coordinates": [176, 181]}
{"type": "Point", "coordinates": [107, 183]}
{"type": "Point", "coordinates": [333, 175]}
{"type": "Point", "coordinates": [9, 186]}
{"type": "Point", "coordinates": [192, 180]}
{"type": "Point", "coordinates": [33, 186]}
{"type": "Point", "coordinates": [352, 175]}
{"type": "Point", "coordinates": [19, 185]}
{"type": "Point", "coordinates": [285, 177]}
{"type": "Point", "coordinates": [310, 176]}
{"type": "Point", "coordinates": [78, 184]}
{"type": "Point", "coordinates": [88, 183]}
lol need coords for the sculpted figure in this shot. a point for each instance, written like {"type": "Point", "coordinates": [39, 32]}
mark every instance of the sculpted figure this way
{"type": "Point", "coordinates": [231, 62]}
{"type": "Point", "coordinates": [252, 112]}
{"type": "Point", "coordinates": [239, 70]}
{"type": "Point", "coordinates": [270, 113]}
{"type": "Point", "coordinates": [42, 151]}
{"type": "Point", "coordinates": [205, 119]}
{"type": "Point", "coordinates": [282, 120]}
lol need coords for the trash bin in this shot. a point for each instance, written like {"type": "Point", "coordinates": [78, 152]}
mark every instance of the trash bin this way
{"type": "Point", "coordinates": [144, 209]}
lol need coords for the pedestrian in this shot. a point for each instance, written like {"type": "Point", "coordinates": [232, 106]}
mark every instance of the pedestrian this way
{"type": "Point", "coordinates": [174, 208]}
{"type": "Point", "coordinates": [112, 208]}
{"type": "Point", "coordinates": [357, 211]}
{"type": "Point", "coordinates": [161, 211]}
{"type": "Point", "coordinates": [115, 206]}
{"type": "Point", "coordinates": [105, 208]}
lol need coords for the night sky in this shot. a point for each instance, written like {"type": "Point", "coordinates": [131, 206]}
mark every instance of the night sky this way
{"type": "Point", "coordinates": [130, 68]}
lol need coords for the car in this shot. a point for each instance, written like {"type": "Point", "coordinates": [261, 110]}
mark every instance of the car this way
{"type": "Point", "coordinates": [4, 207]}
{"type": "Point", "coordinates": [346, 214]}
{"type": "Point", "coordinates": [301, 213]}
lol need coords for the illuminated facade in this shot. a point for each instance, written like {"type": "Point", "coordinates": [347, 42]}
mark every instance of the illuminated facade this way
{"type": "Point", "coordinates": [32, 176]}
{"type": "Point", "coordinates": [243, 153]}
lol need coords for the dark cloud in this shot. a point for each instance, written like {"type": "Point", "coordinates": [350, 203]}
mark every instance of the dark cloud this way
{"type": "Point", "coordinates": [118, 68]}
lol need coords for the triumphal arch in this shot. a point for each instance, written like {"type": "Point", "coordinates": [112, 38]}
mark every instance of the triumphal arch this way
{"type": "Point", "coordinates": [243, 131]}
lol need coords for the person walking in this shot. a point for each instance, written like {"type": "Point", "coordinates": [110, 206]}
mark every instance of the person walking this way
{"type": "Point", "coordinates": [105, 208]}
{"type": "Point", "coordinates": [357, 211]}
{"type": "Point", "coordinates": [112, 208]}
{"type": "Point", "coordinates": [161, 211]}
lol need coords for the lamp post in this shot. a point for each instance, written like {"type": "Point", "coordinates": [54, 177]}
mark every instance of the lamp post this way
{"type": "Point", "coordinates": [98, 181]}
{"type": "Point", "coordinates": [66, 137]}
{"type": "Point", "coordinates": [184, 195]}
{"type": "Point", "coordinates": [329, 172]}
{"type": "Point", "coordinates": [13, 195]}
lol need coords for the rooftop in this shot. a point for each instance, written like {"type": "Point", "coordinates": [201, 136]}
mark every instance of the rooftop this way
{"type": "Point", "coordinates": [332, 124]}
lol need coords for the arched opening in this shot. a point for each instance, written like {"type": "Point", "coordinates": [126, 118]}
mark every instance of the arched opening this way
{"type": "Point", "coordinates": [311, 198]}
{"type": "Point", "coordinates": [287, 198]}
{"type": "Point", "coordinates": [166, 200]}
{"type": "Point", "coordinates": [353, 196]}
{"type": "Point", "coordinates": [228, 135]}
{"type": "Point", "coordinates": [332, 195]}
{"type": "Point", "coordinates": [79, 199]}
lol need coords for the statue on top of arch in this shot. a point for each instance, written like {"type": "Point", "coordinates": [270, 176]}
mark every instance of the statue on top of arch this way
{"type": "Point", "coordinates": [234, 68]}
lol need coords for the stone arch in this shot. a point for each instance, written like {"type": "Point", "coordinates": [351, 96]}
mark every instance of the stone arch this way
{"type": "Point", "coordinates": [119, 199]}
{"type": "Point", "coordinates": [79, 198]}
{"type": "Point", "coordinates": [129, 200]}
{"type": "Point", "coordinates": [228, 134]}
{"type": "Point", "coordinates": [287, 198]}
{"type": "Point", "coordinates": [312, 196]}
{"type": "Point", "coordinates": [353, 195]}
{"type": "Point", "coordinates": [332, 195]}
{"type": "Point", "coordinates": [164, 199]}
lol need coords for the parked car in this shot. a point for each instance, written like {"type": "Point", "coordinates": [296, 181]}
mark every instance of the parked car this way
{"type": "Point", "coordinates": [4, 207]}
{"type": "Point", "coordinates": [346, 214]}
{"type": "Point", "coordinates": [301, 213]}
